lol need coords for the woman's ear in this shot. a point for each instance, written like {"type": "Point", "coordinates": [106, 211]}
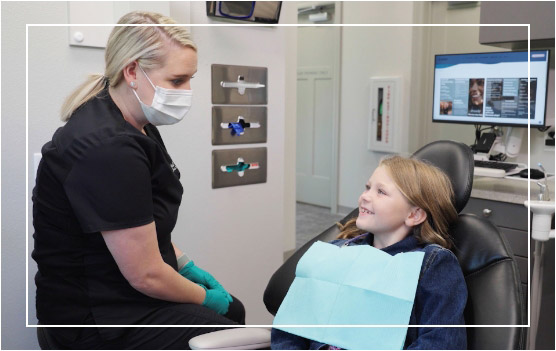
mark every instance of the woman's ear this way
{"type": "Point", "coordinates": [130, 72]}
{"type": "Point", "coordinates": [416, 216]}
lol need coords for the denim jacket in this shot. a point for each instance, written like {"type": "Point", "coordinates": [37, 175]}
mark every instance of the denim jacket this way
{"type": "Point", "coordinates": [439, 300]}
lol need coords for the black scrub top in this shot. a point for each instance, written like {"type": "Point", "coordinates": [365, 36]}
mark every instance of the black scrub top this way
{"type": "Point", "coordinates": [98, 173]}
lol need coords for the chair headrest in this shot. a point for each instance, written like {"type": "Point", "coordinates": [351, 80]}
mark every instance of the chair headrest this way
{"type": "Point", "coordinates": [456, 160]}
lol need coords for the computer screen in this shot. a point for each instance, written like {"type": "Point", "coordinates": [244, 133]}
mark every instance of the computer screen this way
{"type": "Point", "coordinates": [490, 88]}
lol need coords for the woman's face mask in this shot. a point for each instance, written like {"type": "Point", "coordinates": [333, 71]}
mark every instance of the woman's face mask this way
{"type": "Point", "coordinates": [169, 106]}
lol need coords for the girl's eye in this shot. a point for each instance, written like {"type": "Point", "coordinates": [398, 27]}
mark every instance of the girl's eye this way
{"type": "Point", "coordinates": [367, 187]}
{"type": "Point", "coordinates": [177, 82]}
{"type": "Point", "coordinates": [381, 192]}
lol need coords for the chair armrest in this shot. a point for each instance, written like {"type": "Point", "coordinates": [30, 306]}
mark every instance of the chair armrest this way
{"type": "Point", "coordinates": [232, 339]}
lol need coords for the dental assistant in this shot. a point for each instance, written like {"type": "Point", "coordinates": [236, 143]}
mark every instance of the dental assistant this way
{"type": "Point", "coordinates": [106, 201]}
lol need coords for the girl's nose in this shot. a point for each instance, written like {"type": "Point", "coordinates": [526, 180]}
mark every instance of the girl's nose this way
{"type": "Point", "coordinates": [365, 196]}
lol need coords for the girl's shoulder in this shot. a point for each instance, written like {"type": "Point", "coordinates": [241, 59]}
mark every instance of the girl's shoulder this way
{"type": "Point", "coordinates": [436, 256]}
{"type": "Point", "coordinates": [436, 249]}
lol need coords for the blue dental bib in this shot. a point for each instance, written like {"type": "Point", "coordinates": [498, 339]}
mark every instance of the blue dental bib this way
{"type": "Point", "coordinates": [351, 285]}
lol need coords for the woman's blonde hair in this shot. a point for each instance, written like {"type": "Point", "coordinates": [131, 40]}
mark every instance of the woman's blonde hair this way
{"type": "Point", "coordinates": [426, 187]}
{"type": "Point", "coordinates": [146, 44]}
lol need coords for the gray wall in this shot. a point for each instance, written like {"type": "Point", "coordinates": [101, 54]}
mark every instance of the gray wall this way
{"type": "Point", "coordinates": [368, 52]}
{"type": "Point", "coordinates": [14, 17]}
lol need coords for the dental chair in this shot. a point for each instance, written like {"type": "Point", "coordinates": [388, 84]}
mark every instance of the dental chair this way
{"type": "Point", "coordinates": [486, 259]}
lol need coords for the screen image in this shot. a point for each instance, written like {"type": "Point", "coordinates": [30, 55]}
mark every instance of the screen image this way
{"type": "Point", "coordinates": [490, 88]}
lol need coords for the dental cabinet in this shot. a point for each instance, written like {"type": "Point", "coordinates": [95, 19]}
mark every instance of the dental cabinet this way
{"type": "Point", "coordinates": [501, 202]}
{"type": "Point", "coordinates": [541, 17]}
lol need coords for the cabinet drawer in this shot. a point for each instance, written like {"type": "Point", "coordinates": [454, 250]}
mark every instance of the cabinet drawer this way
{"type": "Point", "coordinates": [517, 240]}
{"type": "Point", "coordinates": [522, 267]}
{"type": "Point", "coordinates": [501, 214]}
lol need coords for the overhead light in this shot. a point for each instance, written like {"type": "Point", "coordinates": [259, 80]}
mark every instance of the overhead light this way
{"type": "Point", "coordinates": [318, 17]}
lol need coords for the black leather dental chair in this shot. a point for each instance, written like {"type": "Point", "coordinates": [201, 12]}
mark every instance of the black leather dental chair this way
{"type": "Point", "coordinates": [491, 274]}
{"type": "Point", "coordinates": [486, 259]}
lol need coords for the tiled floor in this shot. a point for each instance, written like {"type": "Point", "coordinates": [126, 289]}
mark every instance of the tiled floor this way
{"type": "Point", "coordinates": [312, 220]}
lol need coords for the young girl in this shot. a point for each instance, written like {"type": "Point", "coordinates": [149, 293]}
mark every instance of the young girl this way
{"type": "Point", "coordinates": [407, 205]}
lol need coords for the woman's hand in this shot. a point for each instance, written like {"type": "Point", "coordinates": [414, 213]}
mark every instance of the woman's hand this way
{"type": "Point", "coordinates": [199, 276]}
{"type": "Point", "coordinates": [217, 300]}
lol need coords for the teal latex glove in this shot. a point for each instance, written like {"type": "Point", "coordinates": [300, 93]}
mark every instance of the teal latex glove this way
{"type": "Point", "coordinates": [199, 276]}
{"type": "Point", "coordinates": [216, 300]}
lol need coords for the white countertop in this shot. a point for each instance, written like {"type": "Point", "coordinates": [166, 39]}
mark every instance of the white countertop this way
{"type": "Point", "coordinates": [509, 189]}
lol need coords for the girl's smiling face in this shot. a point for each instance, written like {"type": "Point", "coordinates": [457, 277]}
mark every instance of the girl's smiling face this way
{"type": "Point", "coordinates": [383, 209]}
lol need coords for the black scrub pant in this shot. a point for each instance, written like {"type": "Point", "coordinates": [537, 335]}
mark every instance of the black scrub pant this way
{"type": "Point", "coordinates": [155, 338]}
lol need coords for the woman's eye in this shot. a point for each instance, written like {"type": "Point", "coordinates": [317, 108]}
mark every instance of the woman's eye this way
{"type": "Point", "coordinates": [177, 82]}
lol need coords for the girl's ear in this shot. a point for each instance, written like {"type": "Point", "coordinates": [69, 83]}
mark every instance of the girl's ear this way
{"type": "Point", "coordinates": [416, 216]}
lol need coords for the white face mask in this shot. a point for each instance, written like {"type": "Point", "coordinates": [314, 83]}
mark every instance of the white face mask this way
{"type": "Point", "coordinates": [169, 106]}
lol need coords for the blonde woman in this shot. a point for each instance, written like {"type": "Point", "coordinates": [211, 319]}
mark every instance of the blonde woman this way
{"type": "Point", "coordinates": [106, 201]}
{"type": "Point", "coordinates": [407, 205]}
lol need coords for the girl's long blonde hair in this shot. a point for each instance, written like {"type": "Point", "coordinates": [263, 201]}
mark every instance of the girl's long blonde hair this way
{"type": "Point", "coordinates": [146, 44]}
{"type": "Point", "coordinates": [426, 187]}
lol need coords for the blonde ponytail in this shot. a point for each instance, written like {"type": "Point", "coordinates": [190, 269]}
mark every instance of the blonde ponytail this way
{"type": "Point", "coordinates": [85, 92]}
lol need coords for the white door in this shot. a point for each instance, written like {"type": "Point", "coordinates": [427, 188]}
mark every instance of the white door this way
{"type": "Point", "coordinates": [316, 109]}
